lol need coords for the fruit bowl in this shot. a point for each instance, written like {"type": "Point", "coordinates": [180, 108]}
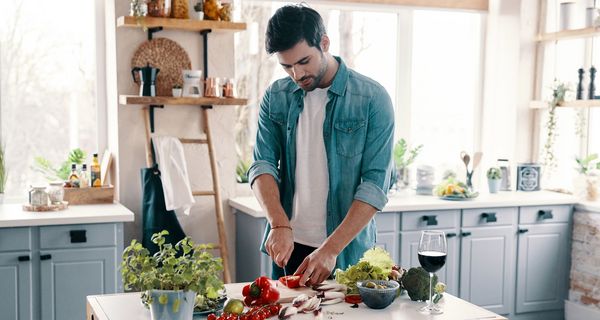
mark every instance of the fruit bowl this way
{"type": "Point", "coordinates": [378, 294]}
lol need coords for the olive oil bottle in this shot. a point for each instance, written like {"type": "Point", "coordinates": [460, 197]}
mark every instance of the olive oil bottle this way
{"type": "Point", "coordinates": [73, 177]}
{"type": "Point", "coordinates": [95, 172]}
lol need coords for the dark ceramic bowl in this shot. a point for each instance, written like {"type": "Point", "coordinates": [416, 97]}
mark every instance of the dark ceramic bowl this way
{"type": "Point", "coordinates": [378, 298]}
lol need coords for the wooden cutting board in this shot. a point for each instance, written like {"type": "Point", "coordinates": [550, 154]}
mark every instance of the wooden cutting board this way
{"type": "Point", "coordinates": [286, 295]}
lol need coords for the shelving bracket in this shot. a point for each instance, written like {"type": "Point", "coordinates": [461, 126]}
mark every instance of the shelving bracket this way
{"type": "Point", "coordinates": [204, 34]}
{"type": "Point", "coordinates": [152, 31]}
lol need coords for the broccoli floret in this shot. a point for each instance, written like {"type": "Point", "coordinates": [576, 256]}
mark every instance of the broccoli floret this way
{"type": "Point", "coordinates": [416, 283]}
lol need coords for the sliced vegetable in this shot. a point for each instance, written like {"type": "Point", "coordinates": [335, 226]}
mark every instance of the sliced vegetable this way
{"type": "Point", "coordinates": [353, 299]}
{"type": "Point", "coordinates": [291, 281]}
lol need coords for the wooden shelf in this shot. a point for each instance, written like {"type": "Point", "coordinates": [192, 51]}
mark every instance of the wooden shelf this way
{"type": "Point", "coordinates": [202, 101]}
{"type": "Point", "coordinates": [183, 24]}
{"type": "Point", "coordinates": [569, 34]}
{"type": "Point", "coordinates": [567, 104]}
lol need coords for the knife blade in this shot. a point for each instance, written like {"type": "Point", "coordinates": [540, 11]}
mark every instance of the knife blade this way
{"type": "Point", "coordinates": [285, 277]}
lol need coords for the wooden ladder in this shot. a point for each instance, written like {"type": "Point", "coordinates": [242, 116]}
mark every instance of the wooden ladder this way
{"type": "Point", "coordinates": [215, 192]}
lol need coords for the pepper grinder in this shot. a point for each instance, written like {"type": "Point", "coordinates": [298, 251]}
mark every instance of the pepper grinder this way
{"type": "Point", "coordinates": [580, 84]}
{"type": "Point", "coordinates": [592, 89]}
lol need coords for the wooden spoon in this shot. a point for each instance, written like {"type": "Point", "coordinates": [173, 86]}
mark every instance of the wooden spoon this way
{"type": "Point", "coordinates": [477, 159]}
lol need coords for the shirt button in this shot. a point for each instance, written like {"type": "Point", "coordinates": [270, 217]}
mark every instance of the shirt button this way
{"type": "Point", "coordinates": [289, 128]}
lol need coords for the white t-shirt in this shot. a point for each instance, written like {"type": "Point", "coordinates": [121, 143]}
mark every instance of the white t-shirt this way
{"type": "Point", "coordinates": [312, 176]}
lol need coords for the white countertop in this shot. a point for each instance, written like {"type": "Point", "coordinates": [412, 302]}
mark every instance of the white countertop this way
{"type": "Point", "coordinates": [412, 202]}
{"type": "Point", "coordinates": [127, 306]}
{"type": "Point", "coordinates": [12, 215]}
{"type": "Point", "coordinates": [588, 206]}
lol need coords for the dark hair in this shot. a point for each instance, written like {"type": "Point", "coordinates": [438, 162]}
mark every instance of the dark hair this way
{"type": "Point", "coordinates": [292, 24]}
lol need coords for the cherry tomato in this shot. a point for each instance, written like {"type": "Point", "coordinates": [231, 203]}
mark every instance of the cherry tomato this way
{"type": "Point", "coordinates": [248, 301]}
{"type": "Point", "coordinates": [291, 281]}
{"type": "Point", "coordinates": [211, 316]}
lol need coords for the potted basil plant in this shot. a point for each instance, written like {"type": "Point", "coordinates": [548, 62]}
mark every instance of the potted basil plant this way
{"type": "Point", "coordinates": [174, 279]}
{"type": "Point", "coordinates": [494, 176]}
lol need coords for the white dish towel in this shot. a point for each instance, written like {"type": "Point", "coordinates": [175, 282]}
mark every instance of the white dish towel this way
{"type": "Point", "coordinates": [174, 173]}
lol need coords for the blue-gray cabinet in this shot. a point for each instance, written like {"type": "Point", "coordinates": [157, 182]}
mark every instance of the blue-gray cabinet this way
{"type": "Point", "coordinates": [61, 266]}
{"type": "Point", "coordinates": [543, 258]}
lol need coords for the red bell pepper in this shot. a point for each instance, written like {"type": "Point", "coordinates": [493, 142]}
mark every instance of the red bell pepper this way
{"type": "Point", "coordinates": [260, 292]}
{"type": "Point", "coordinates": [291, 281]}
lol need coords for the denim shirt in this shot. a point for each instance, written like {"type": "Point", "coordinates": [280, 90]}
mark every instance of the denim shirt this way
{"type": "Point", "coordinates": [358, 133]}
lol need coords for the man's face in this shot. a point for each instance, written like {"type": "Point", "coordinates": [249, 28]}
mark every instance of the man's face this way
{"type": "Point", "coordinates": [306, 65]}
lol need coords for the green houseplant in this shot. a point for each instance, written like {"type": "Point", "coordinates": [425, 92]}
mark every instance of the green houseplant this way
{"type": "Point", "coordinates": [586, 184]}
{"type": "Point", "coordinates": [175, 278]}
{"type": "Point", "coordinates": [494, 176]}
{"type": "Point", "coordinates": [51, 173]}
{"type": "Point", "coordinates": [404, 157]}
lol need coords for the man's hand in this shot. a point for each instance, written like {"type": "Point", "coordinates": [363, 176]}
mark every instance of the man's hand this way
{"type": "Point", "coordinates": [279, 245]}
{"type": "Point", "coordinates": [317, 266]}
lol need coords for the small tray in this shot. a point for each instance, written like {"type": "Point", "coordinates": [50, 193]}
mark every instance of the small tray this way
{"type": "Point", "coordinates": [50, 207]}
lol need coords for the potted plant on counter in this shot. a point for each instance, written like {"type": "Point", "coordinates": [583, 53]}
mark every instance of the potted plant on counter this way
{"type": "Point", "coordinates": [404, 157]}
{"type": "Point", "coordinates": [587, 182]}
{"type": "Point", "coordinates": [175, 278]}
{"type": "Point", "coordinates": [494, 176]}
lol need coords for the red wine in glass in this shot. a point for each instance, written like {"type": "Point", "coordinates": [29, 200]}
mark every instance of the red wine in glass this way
{"type": "Point", "coordinates": [432, 261]}
{"type": "Point", "coordinates": [432, 256]}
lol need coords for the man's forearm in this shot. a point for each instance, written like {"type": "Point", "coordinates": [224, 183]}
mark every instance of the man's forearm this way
{"type": "Point", "coordinates": [266, 191]}
{"type": "Point", "coordinates": [358, 217]}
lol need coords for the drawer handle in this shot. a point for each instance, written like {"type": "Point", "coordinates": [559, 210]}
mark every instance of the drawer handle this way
{"type": "Point", "coordinates": [24, 258]}
{"type": "Point", "coordinates": [489, 217]}
{"type": "Point", "coordinates": [45, 257]}
{"type": "Point", "coordinates": [78, 236]}
{"type": "Point", "coordinates": [465, 234]}
{"type": "Point", "coordinates": [545, 214]}
{"type": "Point", "coordinates": [431, 220]}
{"type": "Point", "coordinates": [450, 235]}
{"type": "Point", "coordinates": [523, 230]}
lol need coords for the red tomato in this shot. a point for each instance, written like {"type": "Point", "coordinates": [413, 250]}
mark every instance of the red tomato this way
{"type": "Point", "coordinates": [211, 316]}
{"type": "Point", "coordinates": [291, 281]}
{"type": "Point", "coordinates": [353, 299]}
{"type": "Point", "coordinates": [246, 290]}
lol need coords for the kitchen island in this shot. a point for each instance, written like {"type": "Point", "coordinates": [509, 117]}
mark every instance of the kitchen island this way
{"type": "Point", "coordinates": [507, 252]}
{"type": "Point", "coordinates": [128, 306]}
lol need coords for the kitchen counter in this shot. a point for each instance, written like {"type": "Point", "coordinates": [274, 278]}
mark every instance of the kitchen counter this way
{"type": "Point", "coordinates": [127, 306]}
{"type": "Point", "coordinates": [403, 203]}
{"type": "Point", "coordinates": [12, 215]}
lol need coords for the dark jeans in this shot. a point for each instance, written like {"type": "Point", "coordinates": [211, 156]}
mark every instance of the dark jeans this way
{"type": "Point", "coordinates": [300, 252]}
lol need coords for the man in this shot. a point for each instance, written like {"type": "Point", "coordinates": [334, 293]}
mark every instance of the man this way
{"type": "Point", "coordinates": [323, 152]}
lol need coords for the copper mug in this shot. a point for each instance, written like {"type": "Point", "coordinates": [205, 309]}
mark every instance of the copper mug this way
{"type": "Point", "coordinates": [228, 88]}
{"type": "Point", "coordinates": [211, 88]}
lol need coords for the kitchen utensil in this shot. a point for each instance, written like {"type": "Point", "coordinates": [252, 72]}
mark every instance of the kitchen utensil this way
{"type": "Point", "coordinates": [166, 55]}
{"type": "Point", "coordinates": [147, 79]}
{"type": "Point", "coordinates": [477, 159]}
{"type": "Point", "coordinates": [228, 88]}
{"type": "Point", "coordinates": [191, 83]}
{"type": "Point", "coordinates": [466, 159]}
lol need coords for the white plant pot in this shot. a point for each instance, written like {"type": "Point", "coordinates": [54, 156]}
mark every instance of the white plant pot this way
{"type": "Point", "coordinates": [179, 305]}
{"type": "Point", "coordinates": [494, 185]}
{"type": "Point", "coordinates": [177, 92]}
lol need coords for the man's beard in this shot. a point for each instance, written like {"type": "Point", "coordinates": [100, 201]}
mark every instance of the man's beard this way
{"type": "Point", "coordinates": [316, 79]}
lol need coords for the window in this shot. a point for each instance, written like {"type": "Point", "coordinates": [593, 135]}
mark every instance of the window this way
{"type": "Point", "coordinates": [49, 86]}
{"type": "Point", "coordinates": [577, 129]}
{"type": "Point", "coordinates": [429, 61]}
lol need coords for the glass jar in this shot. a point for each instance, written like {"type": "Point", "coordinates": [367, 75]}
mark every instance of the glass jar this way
{"type": "Point", "coordinates": [225, 11]}
{"type": "Point", "coordinates": [38, 196]}
{"type": "Point", "coordinates": [56, 192]}
{"type": "Point", "coordinates": [159, 8]}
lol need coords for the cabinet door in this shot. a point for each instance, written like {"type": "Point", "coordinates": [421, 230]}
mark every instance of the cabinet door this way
{"type": "Point", "coordinates": [449, 273]}
{"type": "Point", "coordinates": [542, 273]}
{"type": "Point", "coordinates": [487, 268]}
{"type": "Point", "coordinates": [250, 262]}
{"type": "Point", "coordinates": [389, 242]}
{"type": "Point", "coordinates": [16, 301]}
{"type": "Point", "coordinates": [69, 275]}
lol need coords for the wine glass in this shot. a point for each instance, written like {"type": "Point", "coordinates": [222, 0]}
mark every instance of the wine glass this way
{"type": "Point", "coordinates": [432, 256]}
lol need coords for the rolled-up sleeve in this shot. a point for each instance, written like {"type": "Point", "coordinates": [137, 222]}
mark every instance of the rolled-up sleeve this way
{"type": "Point", "coordinates": [267, 150]}
{"type": "Point", "coordinates": [377, 156]}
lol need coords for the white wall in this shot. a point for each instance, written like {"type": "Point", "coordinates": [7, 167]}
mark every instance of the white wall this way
{"type": "Point", "coordinates": [181, 121]}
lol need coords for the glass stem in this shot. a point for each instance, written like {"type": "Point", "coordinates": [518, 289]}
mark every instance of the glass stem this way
{"type": "Point", "coordinates": [430, 305]}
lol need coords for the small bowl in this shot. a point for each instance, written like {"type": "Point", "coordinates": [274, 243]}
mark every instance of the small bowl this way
{"type": "Point", "coordinates": [378, 298]}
